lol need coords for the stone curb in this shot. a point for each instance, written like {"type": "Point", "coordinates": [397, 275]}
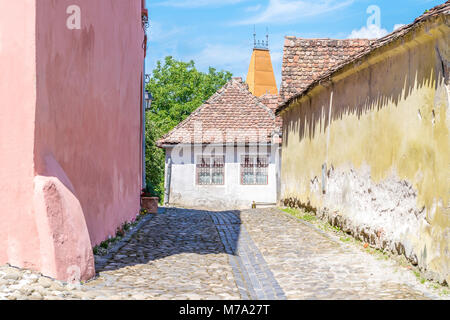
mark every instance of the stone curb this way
{"type": "Point", "coordinates": [103, 260]}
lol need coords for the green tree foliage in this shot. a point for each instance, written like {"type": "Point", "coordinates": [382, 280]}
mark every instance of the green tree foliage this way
{"type": "Point", "coordinates": [178, 88]}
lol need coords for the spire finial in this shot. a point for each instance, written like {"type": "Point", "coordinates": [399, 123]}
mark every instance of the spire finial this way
{"type": "Point", "coordinates": [260, 44]}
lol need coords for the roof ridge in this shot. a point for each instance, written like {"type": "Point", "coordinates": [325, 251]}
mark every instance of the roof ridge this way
{"type": "Point", "coordinates": [219, 92]}
{"type": "Point", "coordinates": [258, 101]}
{"type": "Point", "coordinates": [211, 99]}
{"type": "Point", "coordinates": [332, 39]}
{"type": "Point", "coordinates": [248, 101]}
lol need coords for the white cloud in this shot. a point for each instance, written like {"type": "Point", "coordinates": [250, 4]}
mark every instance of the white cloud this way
{"type": "Point", "coordinates": [196, 3]}
{"type": "Point", "coordinates": [285, 11]}
{"type": "Point", "coordinates": [370, 32]}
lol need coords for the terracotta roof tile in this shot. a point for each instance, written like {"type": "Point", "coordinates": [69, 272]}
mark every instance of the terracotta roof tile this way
{"type": "Point", "coordinates": [306, 59]}
{"type": "Point", "coordinates": [271, 101]}
{"type": "Point", "coordinates": [230, 115]}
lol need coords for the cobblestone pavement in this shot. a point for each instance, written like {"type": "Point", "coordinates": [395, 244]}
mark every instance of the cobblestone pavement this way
{"type": "Point", "coordinates": [253, 254]}
{"type": "Point", "coordinates": [311, 264]}
{"type": "Point", "coordinates": [251, 272]}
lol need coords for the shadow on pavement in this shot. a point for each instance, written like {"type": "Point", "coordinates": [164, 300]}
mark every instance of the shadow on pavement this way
{"type": "Point", "coordinates": [178, 231]}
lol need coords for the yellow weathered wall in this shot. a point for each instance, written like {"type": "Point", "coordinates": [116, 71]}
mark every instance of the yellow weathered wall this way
{"type": "Point", "coordinates": [260, 77]}
{"type": "Point", "coordinates": [389, 114]}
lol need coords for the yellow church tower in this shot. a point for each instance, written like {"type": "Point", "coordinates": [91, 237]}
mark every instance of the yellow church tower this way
{"type": "Point", "coordinates": [260, 77]}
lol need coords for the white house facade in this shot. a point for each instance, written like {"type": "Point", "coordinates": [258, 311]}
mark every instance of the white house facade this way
{"type": "Point", "coordinates": [237, 177]}
{"type": "Point", "coordinates": [226, 154]}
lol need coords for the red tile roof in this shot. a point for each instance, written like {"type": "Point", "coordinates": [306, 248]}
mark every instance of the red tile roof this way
{"type": "Point", "coordinates": [229, 116]}
{"type": "Point", "coordinates": [271, 101]}
{"type": "Point", "coordinates": [289, 95]}
{"type": "Point", "coordinates": [306, 59]}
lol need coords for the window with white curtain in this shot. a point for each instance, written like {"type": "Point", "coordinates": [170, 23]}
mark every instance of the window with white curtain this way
{"type": "Point", "coordinates": [254, 170]}
{"type": "Point", "coordinates": [210, 170]}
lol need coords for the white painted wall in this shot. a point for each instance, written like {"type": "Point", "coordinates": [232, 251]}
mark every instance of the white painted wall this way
{"type": "Point", "coordinates": [232, 195]}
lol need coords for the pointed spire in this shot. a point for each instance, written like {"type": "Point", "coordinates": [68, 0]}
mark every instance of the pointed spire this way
{"type": "Point", "coordinates": [260, 76]}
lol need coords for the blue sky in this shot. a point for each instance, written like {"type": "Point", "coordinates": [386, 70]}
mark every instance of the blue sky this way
{"type": "Point", "coordinates": [219, 33]}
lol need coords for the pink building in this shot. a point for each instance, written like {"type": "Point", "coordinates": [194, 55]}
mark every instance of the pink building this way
{"type": "Point", "coordinates": [70, 129]}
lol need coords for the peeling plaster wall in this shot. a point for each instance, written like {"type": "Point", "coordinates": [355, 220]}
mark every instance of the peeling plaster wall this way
{"type": "Point", "coordinates": [390, 213]}
{"type": "Point", "coordinates": [381, 128]}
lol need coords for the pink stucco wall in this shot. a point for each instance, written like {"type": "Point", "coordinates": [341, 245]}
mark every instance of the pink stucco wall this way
{"type": "Point", "coordinates": [70, 130]}
{"type": "Point", "coordinates": [17, 114]}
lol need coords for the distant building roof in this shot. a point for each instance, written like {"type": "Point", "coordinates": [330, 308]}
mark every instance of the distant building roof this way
{"type": "Point", "coordinates": [306, 59]}
{"type": "Point", "coordinates": [271, 101]}
{"type": "Point", "coordinates": [233, 109]}
{"type": "Point", "coordinates": [291, 81]}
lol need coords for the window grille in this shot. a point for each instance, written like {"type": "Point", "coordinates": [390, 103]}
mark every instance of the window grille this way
{"type": "Point", "coordinates": [254, 170]}
{"type": "Point", "coordinates": [210, 170]}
